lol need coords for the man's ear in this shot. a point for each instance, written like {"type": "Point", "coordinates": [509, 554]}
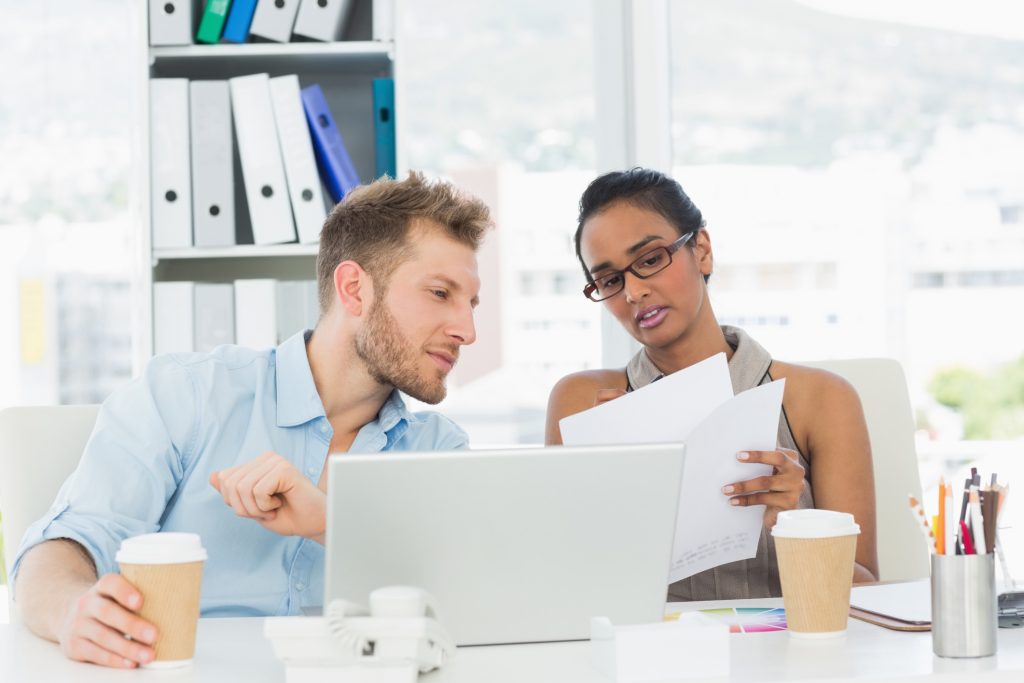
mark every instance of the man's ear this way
{"type": "Point", "coordinates": [354, 288]}
{"type": "Point", "coordinates": [703, 253]}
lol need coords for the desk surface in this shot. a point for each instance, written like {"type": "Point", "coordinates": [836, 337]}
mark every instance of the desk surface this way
{"type": "Point", "coordinates": [235, 649]}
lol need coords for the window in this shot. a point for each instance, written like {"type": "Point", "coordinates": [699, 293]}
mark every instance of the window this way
{"type": "Point", "coordinates": [500, 99]}
{"type": "Point", "coordinates": [882, 143]}
{"type": "Point", "coordinates": [65, 250]}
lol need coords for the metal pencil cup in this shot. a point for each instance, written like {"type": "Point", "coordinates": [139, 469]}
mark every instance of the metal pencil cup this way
{"type": "Point", "coordinates": [964, 605]}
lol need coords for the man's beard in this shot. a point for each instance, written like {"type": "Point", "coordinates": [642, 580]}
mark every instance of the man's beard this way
{"type": "Point", "coordinates": [392, 360]}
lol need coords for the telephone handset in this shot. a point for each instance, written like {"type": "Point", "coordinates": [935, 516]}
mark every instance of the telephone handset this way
{"type": "Point", "coordinates": [401, 625]}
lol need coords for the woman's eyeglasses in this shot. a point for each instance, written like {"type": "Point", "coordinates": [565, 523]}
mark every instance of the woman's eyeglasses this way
{"type": "Point", "coordinates": [611, 283]}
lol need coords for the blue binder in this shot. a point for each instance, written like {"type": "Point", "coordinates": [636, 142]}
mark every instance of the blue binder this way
{"type": "Point", "coordinates": [236, 29]}
{"type": "Point", "coordinates": [332, 157]}
{"type": "Point", "coordinates": [384, 126]}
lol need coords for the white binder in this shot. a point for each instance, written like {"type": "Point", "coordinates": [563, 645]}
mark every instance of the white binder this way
{"type": "Point", "coordinates": [322, 19]}
{"type": "Point", "coordinates": [273, 19]}
{"type": "Point", "coordinates": [383, 20]}
{"type": "Point", "coordinates": [266, 192]}
{"type": "Point", "coordinates": [170, 182]}
{"type": "Point", "coordinates": [170, 22]}
{"type": "Point", "coordinates": [297, 307]}
{"type": "Point", "coordinates": [173, 317]}
{"type": "Point", "coordinates": [256, 313]}
{"type": "Point", "coordinates": [214, 315]}
{"type": "Point", "coordinates": [304, 186]}
{"type": "Point", "coordinates": [213, 173]}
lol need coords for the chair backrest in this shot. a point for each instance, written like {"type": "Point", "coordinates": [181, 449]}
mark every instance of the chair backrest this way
{"type": "Point", "coordinates": [39, 447]}
{"type": "Point", "coordinates": [882, 386]}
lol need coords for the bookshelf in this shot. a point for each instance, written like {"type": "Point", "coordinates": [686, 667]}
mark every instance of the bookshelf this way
{"type": "Point", "coordinates": [344, 69]}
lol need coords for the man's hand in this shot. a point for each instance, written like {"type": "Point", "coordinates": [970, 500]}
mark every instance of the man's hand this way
{"type": "Point", "coordinates": [778, 491]}
{"type": "Point", "coordinates": [271, 491]}
{"type": "Point", "coordinates": [99, 623]}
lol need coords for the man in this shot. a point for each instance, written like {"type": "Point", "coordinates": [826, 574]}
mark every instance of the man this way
{"type": "Point", "coordinates": [233, 444]}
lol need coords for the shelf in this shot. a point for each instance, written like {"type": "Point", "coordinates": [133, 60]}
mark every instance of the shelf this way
{"type": "Point", "coordinates": [237, 252]}
{"type": "Point", "coordinates": [224, 60]}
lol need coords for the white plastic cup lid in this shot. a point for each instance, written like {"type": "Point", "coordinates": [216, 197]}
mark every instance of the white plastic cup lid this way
{"type": "Point", "coordinates": [812, 523]}
{"type": "Point", "coordinates": [163, 548]}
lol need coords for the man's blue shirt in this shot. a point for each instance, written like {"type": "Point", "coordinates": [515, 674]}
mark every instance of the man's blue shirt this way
{"type": "Point", "coordinates": [147, 466]}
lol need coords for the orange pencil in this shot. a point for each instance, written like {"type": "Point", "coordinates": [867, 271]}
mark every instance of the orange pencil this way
{"type": "Point", "coordinates": [940, 529]}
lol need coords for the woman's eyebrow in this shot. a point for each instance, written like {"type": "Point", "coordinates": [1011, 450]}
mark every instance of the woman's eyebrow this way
{"type": "Point", "coordinates": [631, 250]}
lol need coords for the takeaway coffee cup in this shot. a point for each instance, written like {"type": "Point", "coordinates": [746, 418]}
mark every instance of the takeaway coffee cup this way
{"type": "Point", "coordinates": [816, 551]}
{"type": "Point", "coordinates": [167, 569]}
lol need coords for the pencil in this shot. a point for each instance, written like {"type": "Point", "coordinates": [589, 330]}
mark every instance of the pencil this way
{"type": "Point", "coordinates": [922, 520]}
{"type": "Point", "coordinates": [977, 522]}
{"type": "Point", "coordinates": [950, 521]}
{"type": "Point", "coordinates": [940, 536]}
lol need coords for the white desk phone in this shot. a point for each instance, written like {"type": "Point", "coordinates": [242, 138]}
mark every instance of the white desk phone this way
{"type": "Point", "coordinates": [395, 640]}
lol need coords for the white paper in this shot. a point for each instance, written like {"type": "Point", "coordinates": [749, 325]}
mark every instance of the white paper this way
{"type": "Point", "coordinates": [665, 411]}
{"type": "Point", "coordinates": [709, 531]}
{"type": "Point", "coordinates": [907, 601]}
{"type": "Point", "coordinates": [696, 406]}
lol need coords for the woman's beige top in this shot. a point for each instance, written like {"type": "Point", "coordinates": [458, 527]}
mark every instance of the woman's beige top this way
{"type": "Point", "coordinates": [759, 577]}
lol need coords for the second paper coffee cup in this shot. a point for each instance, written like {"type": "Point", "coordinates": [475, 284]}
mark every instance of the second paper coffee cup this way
{"type": "Point", "coordinates": [816, 550]}
{"type": "Point", "coordinates": [167, 568]}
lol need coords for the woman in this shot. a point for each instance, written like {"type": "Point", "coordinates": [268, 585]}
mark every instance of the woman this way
{"type": "Point", "coordinates": [647, 257]}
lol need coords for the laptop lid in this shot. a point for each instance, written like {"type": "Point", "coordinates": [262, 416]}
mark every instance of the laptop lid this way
{"type": "Point", "coordinates": [517, 545]}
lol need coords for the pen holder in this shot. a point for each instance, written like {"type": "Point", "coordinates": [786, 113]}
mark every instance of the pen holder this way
{"type": "Point", "coordinates": [963, 605]}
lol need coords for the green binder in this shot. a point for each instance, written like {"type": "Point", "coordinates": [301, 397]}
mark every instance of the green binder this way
{"type": "Point", "coordinates": [212, 24]}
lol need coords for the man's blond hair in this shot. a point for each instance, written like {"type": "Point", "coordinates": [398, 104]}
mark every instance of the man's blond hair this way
{"type": "Point", "coordinates": [371, 226]}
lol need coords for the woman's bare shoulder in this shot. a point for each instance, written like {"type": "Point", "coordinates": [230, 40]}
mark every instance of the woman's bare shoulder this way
{"type": "Point", "coordinates": [578, 391]}
{"type": "Point", "coordinates": [817, 400]}
{"type": "Point", "coordinates": [589, 382]}
{"type": "Point", "coordinates": [575, 393]}
{"type": "Point", "coordinates": [811, 383]}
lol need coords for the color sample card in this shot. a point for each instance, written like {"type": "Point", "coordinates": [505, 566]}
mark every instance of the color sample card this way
{"type": "Point", "coordinates": [746, 619]}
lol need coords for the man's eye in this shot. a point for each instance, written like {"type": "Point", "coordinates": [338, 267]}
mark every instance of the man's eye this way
{"type": "Point", "coordinates": [439, 293]}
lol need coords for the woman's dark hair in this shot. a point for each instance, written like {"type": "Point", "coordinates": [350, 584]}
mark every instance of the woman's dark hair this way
{"type": "Point", "coordinates": [644, 188]}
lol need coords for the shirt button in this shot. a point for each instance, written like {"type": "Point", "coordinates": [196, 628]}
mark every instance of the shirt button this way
{"type": "Point", "coordinates": [300, 586]}
{"type": "Point", "coordinates": [324, 427]}
{"type": "Point", "coordinates": [311, 471]}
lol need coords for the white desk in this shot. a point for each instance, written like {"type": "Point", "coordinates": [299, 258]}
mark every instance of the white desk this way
{"type": "Point", "coordinates": [235, 650]}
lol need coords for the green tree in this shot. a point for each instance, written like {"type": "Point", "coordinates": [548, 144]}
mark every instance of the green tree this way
{"type": "Point", "coordinates": [992, 405]}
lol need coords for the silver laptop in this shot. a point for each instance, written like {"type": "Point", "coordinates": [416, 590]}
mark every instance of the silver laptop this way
{"type": "Point", "coordinates": [518, 545]}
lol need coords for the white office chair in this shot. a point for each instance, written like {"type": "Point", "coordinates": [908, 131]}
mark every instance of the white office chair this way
{"type": "Point", "coordinates": [882, 386]}
{"type": "Point", "coordinates": [39, 447]}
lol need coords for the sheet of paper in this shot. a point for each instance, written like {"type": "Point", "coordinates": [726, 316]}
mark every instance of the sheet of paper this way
{"type": "Point", "coordinates": [910, 601]}
{"type": "Point", "coordinates": [662, 412]}
{"type": "Point", "coordinates": [710, 531]}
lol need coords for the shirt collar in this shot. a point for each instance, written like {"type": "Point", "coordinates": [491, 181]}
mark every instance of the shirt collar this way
{"type": "Point", "coordinates": [394, 413]}
{"type": "Point", "coordinates": [297, 399]}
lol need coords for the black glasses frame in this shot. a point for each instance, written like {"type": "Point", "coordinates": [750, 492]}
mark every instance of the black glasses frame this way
{"type": "Point", "coordinates": [590, 289]}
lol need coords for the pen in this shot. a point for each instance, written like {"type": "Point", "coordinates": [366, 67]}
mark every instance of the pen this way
{"type": "Point", "coordinates": [922, 520]}
{"type": "Point", "coordinates": [965, 539]}
{"type": "Point", "coordinates": [977, 522]}
{"type": "Point", "coordinates": [963, 505]}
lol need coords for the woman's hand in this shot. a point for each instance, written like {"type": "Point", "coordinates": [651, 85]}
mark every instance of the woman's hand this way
{"type": "Point", "coordinates": [778, 491]}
